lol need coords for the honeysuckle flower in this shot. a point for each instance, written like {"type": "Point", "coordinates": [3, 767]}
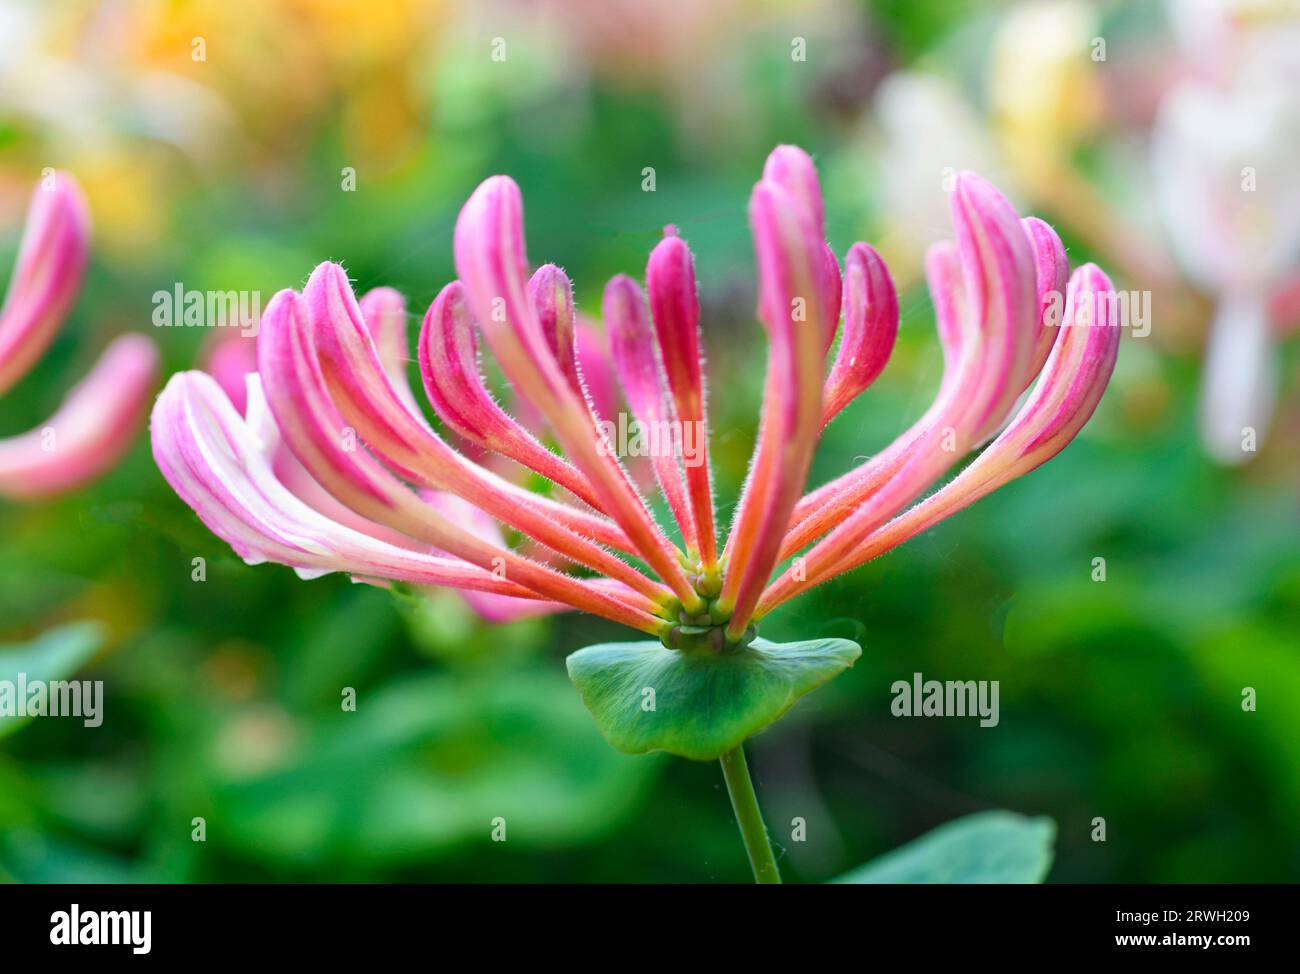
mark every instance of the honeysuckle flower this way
{"type": "Point", "coordinates": [334, 386]}
{"type": "Point", "coordinates": [1223, 159]}
{"type": "Point", "coordinates": [99, 417]}
{"type": "Point", "coordinates": [331, 388]}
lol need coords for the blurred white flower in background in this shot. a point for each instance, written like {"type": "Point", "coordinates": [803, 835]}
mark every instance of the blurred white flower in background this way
{"type": "Point", "coordinates": [1224, 151]}
{"type": "Point", "coordinates": [1044, 101]}
{"type": "Point", "coordinates": [928, 133]}
{"type": "Point", "coordinates": [1218, 37]}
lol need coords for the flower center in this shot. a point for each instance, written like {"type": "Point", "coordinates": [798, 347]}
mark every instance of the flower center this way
{"type": "Point", "coordinates": [706, 639]}
{"type": "Point", "coordinates": [705, 631]}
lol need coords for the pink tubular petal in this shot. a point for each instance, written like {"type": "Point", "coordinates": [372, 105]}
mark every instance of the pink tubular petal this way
{"type": "Point", "coordinates": [831, 282]}
{"type": "Point", "coordinates": [1052, 277]}
{"type": "Point", "coordinates": [1001, 280]}
{"type": "Point", "coordinates": [675, 308]}
{"type": "Point", "coordinates": [365, 398]}
{"type": "Point", "coordinates": [333, 454]}
{"type": "Point", "coordinates": [220, 465]}
{"type": "Point", "coordinates": [943, 276]}
{"type": "Point", "coordinates": [789, 254]}
{"type": "Point", "coordinates": [596, 371]}
{"type": "Point", "coordinates": [500, 609]}
{"type": "Point", "coordinates": [309, 421]}
{"type": "Point", "coordinates": [1077, 371]}
{"type": "Point", "coordinates": [46, 275]}
{"type": "Point", "coordinates": [490, 261]}
{"type": "Point", "coordinates": [448, 355]}
{"type": "Point", "coordinates": [793, 170]}
{"type": "Point", "coordinates": [551, 294]}
{"type": "Point", "coordinates": [384, 312]}
{"type": "Point", "coordinates": [290, 472]}
{"type": "Point", "coordinates": [605, 399]}
{"type": "Point", "coordinates": [92, 428]}
{"type": "Point", "coordinates": [288, 469]}
{"type": "Point", "coordinates": [870, 328]}
{"type": "Point", "coordinates": [789, 167]}
{"type": "Point", "coordinates": [636, 360]}
{"type": "Point", "coordinates": [580, 350]}
{"type": "Point", "coordinates": [364, 393]}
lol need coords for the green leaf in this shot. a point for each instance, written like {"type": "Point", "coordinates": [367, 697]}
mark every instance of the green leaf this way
{"type": "Point", "coordinates": [53, 655]}
{"type": "Point", "coordinates": [704, 704]}
{"type": "Point", "coordinates": [989, 847]}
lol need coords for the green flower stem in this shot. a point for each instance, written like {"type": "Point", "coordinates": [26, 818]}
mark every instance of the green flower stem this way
{"type": "Point", "coordinates": [748, 816]}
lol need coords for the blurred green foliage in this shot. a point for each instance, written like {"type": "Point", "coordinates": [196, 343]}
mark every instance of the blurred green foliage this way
{"type": "Point", "coordinates": [1120, 699]}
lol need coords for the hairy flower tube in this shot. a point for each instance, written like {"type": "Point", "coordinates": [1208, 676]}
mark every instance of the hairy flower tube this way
{"type": "Point", "coordinates": [332, 388]}
{"type": "Point", "coordinates": [100, 416]}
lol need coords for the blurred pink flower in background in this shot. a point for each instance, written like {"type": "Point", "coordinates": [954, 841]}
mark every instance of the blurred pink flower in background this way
{"type": "Point", "coordinates": [229, 358]}
{"type": "Point", "coordinates": [102, 414]}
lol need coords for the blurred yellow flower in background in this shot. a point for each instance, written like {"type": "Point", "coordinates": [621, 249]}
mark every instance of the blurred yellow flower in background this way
{"type": "Point", "coordinates": [144, 99]}
{"type": "Point", "coordinates": [1044, 94]}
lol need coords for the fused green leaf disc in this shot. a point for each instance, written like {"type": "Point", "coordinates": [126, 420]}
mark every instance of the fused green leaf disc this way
{"type": "Point", "coordinates": [699, 705]}
{"type": "Point", "coordinates": [988, 847]}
